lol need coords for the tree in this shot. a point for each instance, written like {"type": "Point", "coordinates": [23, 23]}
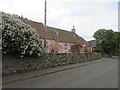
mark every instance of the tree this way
{"type": "Point", "coordinates": [117, 42]}
{"type": "Point", "coordinates": [19, 38]}
{"type": "Point", "coordinates": [105, 41]}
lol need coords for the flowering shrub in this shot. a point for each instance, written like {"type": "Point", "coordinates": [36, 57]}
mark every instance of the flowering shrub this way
{"type": "Point", "coordinates": [75, 48]}
{"type": "Point", "coordinates": [55, 47]}
{"type": "Point", "coordinates": [19, 38]}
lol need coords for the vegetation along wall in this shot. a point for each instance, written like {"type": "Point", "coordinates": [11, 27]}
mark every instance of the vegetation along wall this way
{"type": "Point", "coordinates": [12, 64]}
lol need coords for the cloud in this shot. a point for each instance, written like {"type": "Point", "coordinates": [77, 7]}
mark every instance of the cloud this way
{"type": "Point", "coordinates": [87, 16]}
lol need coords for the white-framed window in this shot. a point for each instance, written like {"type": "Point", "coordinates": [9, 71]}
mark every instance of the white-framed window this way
{"type": "Point", "coordinates": [65, 46]}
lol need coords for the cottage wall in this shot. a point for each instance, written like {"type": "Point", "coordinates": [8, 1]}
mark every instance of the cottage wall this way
{"type": "Point", "coordinates": [90, 49]}
{"type": "Point", "coordinates": [62, 47]}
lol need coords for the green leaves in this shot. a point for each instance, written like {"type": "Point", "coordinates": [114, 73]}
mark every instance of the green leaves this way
{"type": "Point", "coordinates": [106, 41]}
{"type": "Point", "coordinates": [19, 38]}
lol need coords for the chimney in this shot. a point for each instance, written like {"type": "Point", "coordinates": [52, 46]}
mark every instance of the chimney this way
{"type": "Point", "coordinates": [73, 30]}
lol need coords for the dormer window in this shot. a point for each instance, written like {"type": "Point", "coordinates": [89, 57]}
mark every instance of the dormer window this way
{"type": "Point", "coordinates": [57, 33]}
{"type": "Point", "coordinates": [74, 35]}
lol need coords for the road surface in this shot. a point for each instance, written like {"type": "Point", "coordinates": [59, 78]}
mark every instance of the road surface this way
{"type": "Point", "coordinates": [103, 74]}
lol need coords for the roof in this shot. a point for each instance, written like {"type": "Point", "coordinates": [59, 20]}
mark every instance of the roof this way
{"type": "Point", "coordinates": [91, 43]}
{"type": "Point", "coordinates": [54, 33]}
{"type": "Point", "coordinates": [63, 35]}
{"type": "Point", "coordinates": [39, 27]}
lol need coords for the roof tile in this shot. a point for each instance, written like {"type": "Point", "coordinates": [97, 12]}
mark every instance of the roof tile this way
{"type": "Point", "coordinates": [54, 33]}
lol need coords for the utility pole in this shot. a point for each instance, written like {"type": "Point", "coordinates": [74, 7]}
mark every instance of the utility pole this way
{"type": "Point", "coordinates": [45, 14]}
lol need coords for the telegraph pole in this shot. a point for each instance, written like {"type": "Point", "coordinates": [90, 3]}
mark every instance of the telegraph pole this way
{"type": "Point", "coordinates": [45, 14]}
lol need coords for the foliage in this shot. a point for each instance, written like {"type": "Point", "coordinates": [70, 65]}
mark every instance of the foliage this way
{"type": "Point", "coordinates": [106, 41]}
{"type": "Point", "coordinates": [55, 47]}
{"type": "Point", "coordinates": [19, 38]}
{"type": "Point", "coordinates": [117, 42]}
{"type": "Point", "coordinates": [75, 48]}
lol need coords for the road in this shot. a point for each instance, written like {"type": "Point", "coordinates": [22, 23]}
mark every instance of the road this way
{"type": "Point", "coordinates": [103, 74]}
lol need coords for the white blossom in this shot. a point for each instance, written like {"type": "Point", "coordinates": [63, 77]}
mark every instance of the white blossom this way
{"type": "Point", "coordinates": [16, 30]}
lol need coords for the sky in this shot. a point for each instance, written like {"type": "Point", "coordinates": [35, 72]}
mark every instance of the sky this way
{"type": "Point", "coordinates": [86, 15]}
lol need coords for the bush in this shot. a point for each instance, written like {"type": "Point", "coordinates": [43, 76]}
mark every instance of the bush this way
{"type": "Point", "coordinates": [19, 38]}
{"type": "Point", "coordinates": [76, 48]}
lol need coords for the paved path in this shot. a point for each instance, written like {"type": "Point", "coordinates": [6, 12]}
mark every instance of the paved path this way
{"type": "Point", "coordinates": [102, 74]}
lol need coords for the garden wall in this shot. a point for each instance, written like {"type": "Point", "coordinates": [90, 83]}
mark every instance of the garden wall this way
{"type": "Point", "coordinates": [13, 64]}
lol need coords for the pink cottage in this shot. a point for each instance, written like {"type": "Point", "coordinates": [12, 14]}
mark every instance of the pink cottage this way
{"type": "Point", "coordinates": [57, 38]}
